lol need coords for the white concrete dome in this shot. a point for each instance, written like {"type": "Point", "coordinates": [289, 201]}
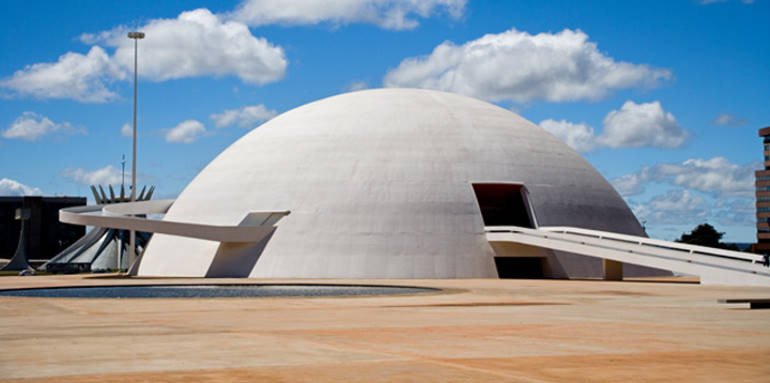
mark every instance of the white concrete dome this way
{"type": "Point", "coordinates": [379, 184]}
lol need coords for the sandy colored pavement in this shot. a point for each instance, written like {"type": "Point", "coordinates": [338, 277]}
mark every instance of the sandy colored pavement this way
{"type": "Point", "coordinates": [474, 330]}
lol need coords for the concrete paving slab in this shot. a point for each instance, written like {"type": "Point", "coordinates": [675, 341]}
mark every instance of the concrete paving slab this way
{"type": "Point", "coordinates": [472, 330]}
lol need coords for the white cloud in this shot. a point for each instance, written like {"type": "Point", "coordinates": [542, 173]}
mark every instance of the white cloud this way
{"type": "Point", "coordinates": [728, 120]}
{"type": "Point", "coordinates": [357, 85]}
{"type": "Point", "coordinates": [717, 176]}
{"type": "Point", "coordinates": [631, 184]}
{"type": "Point", "coordinates": [196, 43]}
{"type": "Point", "coordinates": [9, 187]}
{"type": "Point", "coordinates": [74, 76]}
{"type": "Point", "coordinates": [105, 176]}
{"type": "Point", "coordinates": [644, 124]}
{"type": "Point", "coordinates": [578, 136]}
{"type": "Point", "coordinates": [738, 212]}
{"type": "Point", "coordinates": [388, 14]}
{"type": "Point", "coordinates": [248, 116]}
{"type": "Point", "coordinates": [186, 132]}
{"type": "Point", "coordinates": [677, 200]}
{"type": "Point", "coordinates": [518, 66]}
{"type": "Point", "coordinates": [673, 207]}
{"type": "Point", "coordinates": [31, 126]}
{"type": "Point", "coordinates": [683, 207]}
{"type": "Point", "coordinates": [713, 190]}
{"type": "Point", "coordinates": [633, 125]}
{"type": "Point", "coordinates": [127, 130]}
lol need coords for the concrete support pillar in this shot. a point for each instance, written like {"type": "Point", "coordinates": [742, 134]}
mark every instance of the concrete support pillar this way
{"type": "Point", "coordinates": [613, 270]}
{"type": "Point", "coordinates": [19, 261]}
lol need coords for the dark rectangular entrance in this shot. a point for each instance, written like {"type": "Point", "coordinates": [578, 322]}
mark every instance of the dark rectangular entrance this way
{"type": "Point", "coordinates": [520, 267]}
{"type": "Point", "coordinates": [503, 204]}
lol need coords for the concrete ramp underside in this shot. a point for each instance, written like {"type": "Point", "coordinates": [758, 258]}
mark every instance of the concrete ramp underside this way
{"type": "Point", "coordinates": [713, 266]}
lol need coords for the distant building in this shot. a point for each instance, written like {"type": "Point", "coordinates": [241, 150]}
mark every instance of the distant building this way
{"type": "Point", "coordinates": [46, 236]}
{"type": "Point", "coordinates": [102, 248]}
{"type": "Point", "coordinates": [762, 183]}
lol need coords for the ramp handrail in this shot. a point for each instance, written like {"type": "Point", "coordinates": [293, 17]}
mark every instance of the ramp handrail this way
{"type": "Point", "coordinates": [754, 258]}
{"type": "Point", "coordinates": [626, 248]}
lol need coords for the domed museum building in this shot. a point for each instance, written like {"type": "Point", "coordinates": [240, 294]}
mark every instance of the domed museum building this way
{"type": "Point", "coordinates": [392, 183]}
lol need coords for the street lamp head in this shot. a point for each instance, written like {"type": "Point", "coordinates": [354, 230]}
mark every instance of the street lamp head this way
{"type": "Point", "coordinates": [135, 35]}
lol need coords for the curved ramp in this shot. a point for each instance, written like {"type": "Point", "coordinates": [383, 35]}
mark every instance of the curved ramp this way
{"type": "Point", "coordinates": [255, 227]}
{"type": "Point", "coordinates": [713, 266]}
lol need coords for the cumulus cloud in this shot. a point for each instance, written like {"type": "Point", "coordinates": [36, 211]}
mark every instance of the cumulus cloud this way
{"type": "Point", "coordinates": [645, 124]}
{"type": "Point", "coordinates": [9, 187]}
{"type": "Point", "coordinates": [520, 67]}
{"type": "Point", "coordinates": [74, 76]}
{"type": "Point", "coordinates": [713, 190]}
{"type": "Point", "coordinates": [725, 119]}
{"type": "Point", "coordinates": [716, 176]}
{"type": "Point", "coordinates": [631, 184]}
{"type": "Point", "coordinates": [738, 212]}
{"type": "Point", "coordinates": [31, 126]}
{"type": "Point", "coordinates": [200, 43]}
{"type": "Point", "coordinates": [673, 207]}
{"type": "Point", "coordinates": [186, 132]}
{"type": "Point", "coordinates": [246, 117]}
{"type": "Point", "coordinates": [578, 136]}
{"type": "Point", "coordinates": [633, 125]}
{"type": "Point", "coordinates": [684, 207]}
{"type": "Point", "coordinates": [196, 43]}
{"type": "Point", "coordinates": [127, 130]}
{"type": "Point", "coordinates": [104, 176]}
{"type": "Point", "coordinates": [388, 14]}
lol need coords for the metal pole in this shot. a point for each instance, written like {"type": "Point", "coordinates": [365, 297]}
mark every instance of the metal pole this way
{"type": "Point", "coordinates": [119, 258]}
{"type": "Point", "coordinates": [133, 162]}
{"type": "Point", "coordinates": [132, 237]}
{"type": "Point", "coordinates": [123, 173]}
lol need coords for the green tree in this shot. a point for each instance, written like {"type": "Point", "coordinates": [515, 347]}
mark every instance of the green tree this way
{"type": "Point", "coordinates": [705, 235]}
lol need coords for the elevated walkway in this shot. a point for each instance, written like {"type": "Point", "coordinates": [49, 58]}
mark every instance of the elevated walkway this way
{"type": "Point", "coordinates": [253, 228]}
{"type": "Point", "coordinates": [130, 216]}
{"type": "Point", "coordinates": [713, 266]}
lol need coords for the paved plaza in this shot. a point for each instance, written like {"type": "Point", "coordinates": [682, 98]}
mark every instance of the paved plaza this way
{"type": "Point", "coordinates": [472, 330]}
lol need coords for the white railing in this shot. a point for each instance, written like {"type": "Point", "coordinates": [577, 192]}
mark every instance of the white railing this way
{"type": "Point", "coordinates": [754, 258]}
{"type": "Point", "coordinates": [677, 257]}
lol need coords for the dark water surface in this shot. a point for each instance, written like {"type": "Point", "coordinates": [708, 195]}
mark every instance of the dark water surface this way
{"type": "Point", "coordinates": [213, 291]}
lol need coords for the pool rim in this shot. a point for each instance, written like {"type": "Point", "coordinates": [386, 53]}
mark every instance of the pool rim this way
{"type": "Point", "coordinates": [427, 290]}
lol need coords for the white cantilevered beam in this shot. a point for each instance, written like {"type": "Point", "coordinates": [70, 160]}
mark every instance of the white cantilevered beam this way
{"type": "Point", "coordinates": [253, 228]}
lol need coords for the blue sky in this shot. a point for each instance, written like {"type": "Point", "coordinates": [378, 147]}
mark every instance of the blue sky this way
{"type": "Point", "coordinates": [664, 98]}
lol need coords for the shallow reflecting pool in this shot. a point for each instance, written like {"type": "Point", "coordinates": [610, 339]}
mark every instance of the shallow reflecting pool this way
{"type": "Point", "coordinates": [213, 291]}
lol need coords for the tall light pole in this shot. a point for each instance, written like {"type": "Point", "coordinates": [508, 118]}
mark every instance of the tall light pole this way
{"type": "Point", "coordinates": [136, 36]}
{"type": "Point", "coordinates": [123, 176]}
{"type": "Point", "coordinates": [119, 260]}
